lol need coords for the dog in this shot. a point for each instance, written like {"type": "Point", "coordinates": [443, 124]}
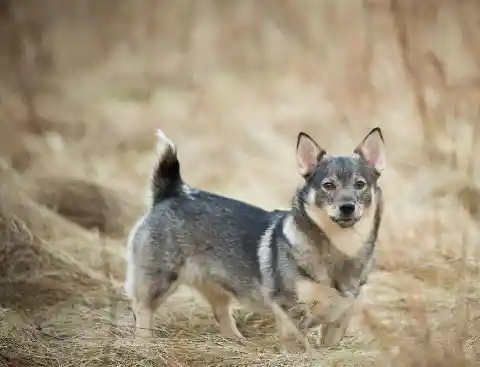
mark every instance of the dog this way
{"type": "Point", "coordinates": [306, 265]}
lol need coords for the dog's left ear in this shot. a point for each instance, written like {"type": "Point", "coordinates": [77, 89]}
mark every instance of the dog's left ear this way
{"type": "Point", "coordinates": [372, 149]}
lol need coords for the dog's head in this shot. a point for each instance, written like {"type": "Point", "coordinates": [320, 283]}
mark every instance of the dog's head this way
{"type": "Point", "coordinates": [340, 188]}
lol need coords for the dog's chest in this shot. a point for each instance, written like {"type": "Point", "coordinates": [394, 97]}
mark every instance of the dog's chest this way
{"type": "Point", "coordinates": [323, 302]}
{"type": "Point", "coordinates": [346, 241]}
{"type": "Point", "coordinates": [349, 276]}
{"type": "Point", "coordinates": [328, 284]}
{"type": "Point", "coordinates": [310, 288]}
{"type": "Point", "coordinates": [327, 265]}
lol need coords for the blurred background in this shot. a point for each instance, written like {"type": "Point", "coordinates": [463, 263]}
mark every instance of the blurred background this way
{"type": "Point", "coordinates": [85, 84]}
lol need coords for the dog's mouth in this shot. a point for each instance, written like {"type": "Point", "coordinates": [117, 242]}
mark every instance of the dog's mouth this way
{"type": "Point", "coordinates": [345, 222]}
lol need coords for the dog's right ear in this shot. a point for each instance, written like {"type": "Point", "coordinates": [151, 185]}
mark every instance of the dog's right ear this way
{"type": "Point", "coordinates": [309, 154]}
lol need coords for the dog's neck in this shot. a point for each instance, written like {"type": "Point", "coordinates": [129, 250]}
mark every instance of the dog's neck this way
{"type": "Point", "coordinates": [315, 228]}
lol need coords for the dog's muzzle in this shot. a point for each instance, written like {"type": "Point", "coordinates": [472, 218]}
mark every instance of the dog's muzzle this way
{"type": "Point", "coordinates": [346, 215]}
{"type": "Point", "coordinates": [345, 222]}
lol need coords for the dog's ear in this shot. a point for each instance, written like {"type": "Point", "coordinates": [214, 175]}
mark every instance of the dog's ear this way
{"type": "Point", "coordinates": [309, 154]}
{"type": "Point", "coordinates": [372, 149]}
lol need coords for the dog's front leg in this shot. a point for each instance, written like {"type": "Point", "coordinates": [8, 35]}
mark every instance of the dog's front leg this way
{"type": "Point", "coordinates": [332, 333]}
{"type": "Point", "coordinates": [327, 307]}
{"type": "Point", "coordinates": [289, 333]}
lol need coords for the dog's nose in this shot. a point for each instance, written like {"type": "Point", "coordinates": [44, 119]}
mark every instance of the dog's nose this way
{"type": "Point", "coordinates": [347, 208]}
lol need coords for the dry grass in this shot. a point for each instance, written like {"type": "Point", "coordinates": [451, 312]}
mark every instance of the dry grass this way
{"type": "Point", "coordinates": [85, 85]}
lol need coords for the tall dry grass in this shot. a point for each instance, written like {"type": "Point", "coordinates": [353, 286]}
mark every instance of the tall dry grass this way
{"type": "Point", "coordinates": [85, 84]}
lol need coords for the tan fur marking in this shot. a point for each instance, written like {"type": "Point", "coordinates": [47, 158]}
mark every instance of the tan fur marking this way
{"type": "Point", "coordinates": [143, 319]}
{"type": "Point", "coordinates": [144, 308]}
{"type": "Point", "coordinates": [322, 301]}
{"type": "Point", "coordinates": [333, 333]}
{"type": "Point", "coordinates": [220, 301]}
{"type": "Point", "coordinates": [144, 324]}
{"type": "Point", "coordinates": [286, 329]}
{"type": "Point", "coordinates": [348, 240]}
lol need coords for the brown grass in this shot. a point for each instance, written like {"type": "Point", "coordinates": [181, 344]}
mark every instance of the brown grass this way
{"type": "Point", "coordinates": [84, 85]}
{"type": "Point", "coordinates": [88, 204]}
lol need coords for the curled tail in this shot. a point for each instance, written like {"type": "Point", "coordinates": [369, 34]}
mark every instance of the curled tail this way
{"type": "Point", "coordinates": [166, 180]}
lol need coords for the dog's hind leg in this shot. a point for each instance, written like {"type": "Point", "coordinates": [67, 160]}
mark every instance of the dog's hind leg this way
{"type": "Point", "coordinates": [221, 302]}
{"type": "Point", "coordinates": [148, 296]}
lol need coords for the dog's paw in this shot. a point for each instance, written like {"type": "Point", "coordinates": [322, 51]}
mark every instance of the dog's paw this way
{"type": "Point", "coordinates": [294, 346]}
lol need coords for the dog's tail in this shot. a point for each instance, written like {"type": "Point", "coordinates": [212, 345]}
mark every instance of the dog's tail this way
{"type": "Point", "coordinates": [166, 180]}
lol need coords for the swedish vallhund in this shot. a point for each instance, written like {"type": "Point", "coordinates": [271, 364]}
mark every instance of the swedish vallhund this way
{"type": "Point", "coordinates": [306, 265]}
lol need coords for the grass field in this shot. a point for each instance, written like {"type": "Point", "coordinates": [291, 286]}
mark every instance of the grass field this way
{"type": "Point", "coordinates": [84, 87]}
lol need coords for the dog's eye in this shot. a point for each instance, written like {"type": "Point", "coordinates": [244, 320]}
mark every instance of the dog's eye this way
{"type": "Point", "coordinates": [359, 185]}
{"type": "Point", "coordinates": [328, 186]}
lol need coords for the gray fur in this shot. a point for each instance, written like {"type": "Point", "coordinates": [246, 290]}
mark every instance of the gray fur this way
{"type": "Point", "coordinates": [228, 249]}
